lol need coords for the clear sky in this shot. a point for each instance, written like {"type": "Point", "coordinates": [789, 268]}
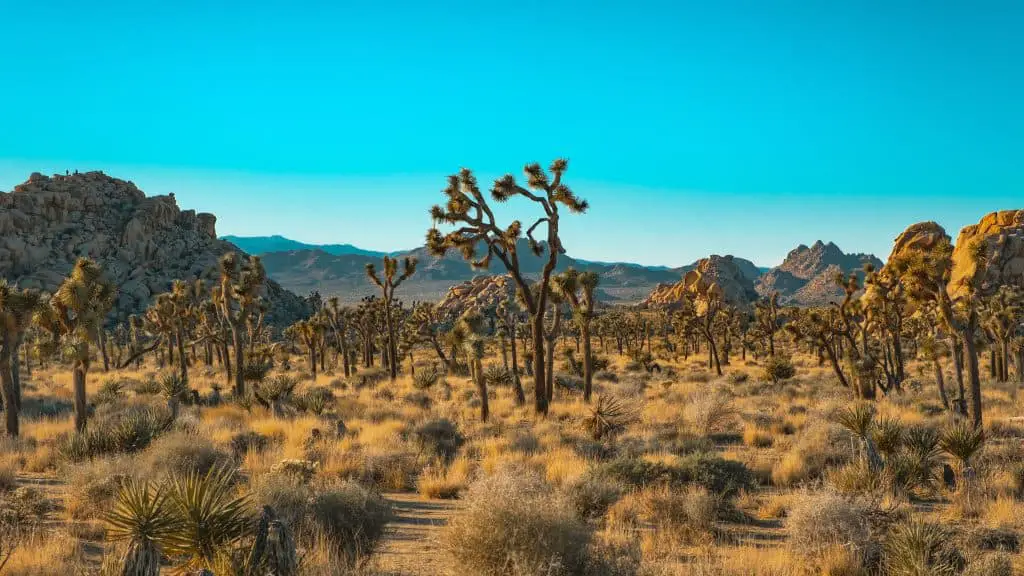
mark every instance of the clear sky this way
{"type": "Point", "coordinates": [692, 127]}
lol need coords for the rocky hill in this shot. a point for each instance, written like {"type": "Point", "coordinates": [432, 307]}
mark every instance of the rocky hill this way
{"type": "Point", "coordinates": [1000, 236]}
{"type": "Point", "coordinates": [142, 243]}
{"type": "Point", "coordinates": [727, 272]}
{"type": "Point", "coordinates": [807, 276]}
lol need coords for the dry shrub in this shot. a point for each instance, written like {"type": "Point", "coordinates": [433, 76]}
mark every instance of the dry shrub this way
{"type": "Point", "coordinates": [46, 554]}
{"type": "Point", "coordinates": [8, 473]}
{"type": "Point", "coordinates": [92, 486]}
{"type": "Point", "coordinates": [351, 517]}
{"type": "Point", "coordinates": [514, 524]}
{"type": "Point", "coordinates": [819, 520]}
{"type": "Point", "coordinates": [817, 447]}
{"type": "Point", "coordinates": [709, 411]}
{"type": "Point", "coordinates": [183, 452]}
{"type": "Point", "coordinates": [591, 495]}
{"type": "Point", "coordinates": [688, 515]}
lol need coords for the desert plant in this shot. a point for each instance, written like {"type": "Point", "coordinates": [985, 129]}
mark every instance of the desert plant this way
{"type": "Point", "coordinates": [915, 548]}
{"type": "Point", "coordinates": [210, 517]}
{"type": "Point", "coordinates": [608, 417]}
{"type": "Point", "coordinates": [427, 378]}
{"type": "Point", "coordinates": [778, 368]}
{"type": "Point", "coordinates": [387, 283]}
{"type": "Point", "coordinates": [276, 393]}
{"type": "Point", "coordinates": [174, 389]}
{"type": "Point", "coordinates": [709, 411]}
{"type": "Point", "coordinates": [353, 518]}
{"type": "Point", "coordinates": [142, 517]}
{"type": "Point", "coordinates": [440, 438]}
{"type": "Point", "coordinates": [962, 441]}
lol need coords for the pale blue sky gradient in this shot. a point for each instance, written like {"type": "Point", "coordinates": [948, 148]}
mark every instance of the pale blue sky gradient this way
{"type": "Point", "coordinates": [732, 127]}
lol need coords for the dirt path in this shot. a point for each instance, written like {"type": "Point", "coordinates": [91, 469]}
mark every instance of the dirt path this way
{"type": "Point", "coordinates": [410, 546]}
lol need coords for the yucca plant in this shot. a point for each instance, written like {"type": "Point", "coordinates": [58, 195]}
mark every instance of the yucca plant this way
{"type": "Point", "coordinates": [175, 389]}
{"type": "Point", "coordinates": [962, 441]}
{"type": "Point", "coordinates": [211, 518]}
{"type": "Point", "coordinates": [888, 435]}
{"type": "Point", "coordinates": [921, 445]}
{"type": "Point", "coordinates": [276, 392]}
{"type": "Point", "coordinates": [608, 417]}
{"type": "Point", "coordinates": [143, 517]}
{"type": "Point", "coordinates": [919, 549]}
{"type": "Point", "coordinates": [860, 419]}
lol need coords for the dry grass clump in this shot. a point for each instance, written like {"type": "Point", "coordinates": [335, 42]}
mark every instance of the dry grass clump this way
{"type": "Point", "coordinates": [757, 437]}
{"type": "Point", "coordinates": [709, 411]}
{"type": "Point", "coordinates": [818, 521]}
{"type": "Point", "coordinates": [440, 481]}
{"type": "Point", "coordinates": [514, 524]}
{"type": "Point", "coordinates": [92, 486]}
{"type": "Point", "coordinates": [183, 452]}
{"type": "Point", "coordinates": [820, 445]}
{"type": "Point", "coordinates": [685, 516]}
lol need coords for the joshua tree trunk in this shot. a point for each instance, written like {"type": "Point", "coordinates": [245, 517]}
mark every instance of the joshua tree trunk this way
{"type": "Point", "coordinates": [540, 395]}
{"type": "Point", "coordinates": [392, 349]}
{"type": "Point", "coordinates": [182, 360]}
{"type": "Point", "coordinates": [550, 360]}
{"type": "Point", "coordinates": [101, 342]}
{"type": "Point", "coordinates": [974, 391]}
{"type": "Point", "coordinates": [940, 381]}
{"type": "Point", "coordinates": [344, 354]}
{"type": "Point", "coordinates": [78, 377]}
{"type": "Point", "coordinates": [959, 372]}
{"type": "Point", "coordinates": [517, 386]}
{"type": "Point", "coordinates": [481, 384]}
{"type": "Point", "coordinates": [588, 362]}
{"type": "Point", "coordinates": [16, 370]}
{"type": "Point", "coordinates": [312, 361]}
{"type": "Point", "coordinates": [8, 391]}
{"type": "Point", "coordinates": [236, 340]}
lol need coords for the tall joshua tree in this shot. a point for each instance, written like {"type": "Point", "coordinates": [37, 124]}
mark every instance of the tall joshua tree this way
{"type": "Point", "coordinates": [387, 284]}
{"type": "Point", "coordinates": [78, 309]}
{"type": "Point", "coordinates": [16, 309]}
{"type": "Point", "coordinates": [469, 211]}
{"type": "Point", "coordinates": [337, 317]}
{"type": "Point", "coordinates": [577, 288]}
{"type": "Point", "coordinates": [238, 296]}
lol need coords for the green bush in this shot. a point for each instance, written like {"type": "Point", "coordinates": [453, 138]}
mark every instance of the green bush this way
{"type": "Point", "coordinates": [779, 368]}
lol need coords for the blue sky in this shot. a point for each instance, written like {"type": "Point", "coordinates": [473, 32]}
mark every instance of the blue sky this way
{"type": "Point", "coordinates": [692, 127]}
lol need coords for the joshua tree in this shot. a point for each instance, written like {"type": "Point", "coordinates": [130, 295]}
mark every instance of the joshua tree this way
{"type": "Point", "coordinates": [310, 333]}
{"type": "Point", "coordinates": [238, 295]}
{"type": "Point", "coordinates": [16, 309]}
{"type": "Point", "coordinates": [1003, 314]}
{"type": "Point", "coordinates": [508, 321]}
{"type": "Point", "coordinates": [337, 318]}
{"type": "Point", "coordinates": [426, 325]}
{"type": "Point", "coordinates": [926, 274]}
{"type": "Point", "coordinates": [387, 284]}
{"type": "Point", "coordinates": [766, 313]}
{"type": "Point", "coordinates": [76, 314]}
{"type": "Point", "coordinates": [470, 330]}
{"type": "Point", "coordinates": [577, 288]}
{"type": "Point", "coordinates": [468, 210]}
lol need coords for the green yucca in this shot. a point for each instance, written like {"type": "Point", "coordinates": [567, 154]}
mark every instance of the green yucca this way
{"type": "Point", "coordinates": [857, 418]}
{"type": "Point", "coordinates": [142, 515]}
{"type": "Point", "coordinates": [962, 441]}
{"type": "Point", "coordinates": [173, 386]}
{"type": "Point", "coordinates": [608, 417]}
{"type": "Point", "coordinates": [888, 435]}
{"type": "Point", "coordinates": [921, 445]}
{"type": "Point", "coordinates": [919, 549]}
{"type": "Point", "coordinates": [211, 518]}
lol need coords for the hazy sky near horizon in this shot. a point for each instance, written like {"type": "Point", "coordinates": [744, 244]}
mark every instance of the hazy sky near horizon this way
{"type": "Point", "coordinates": [742, 127]}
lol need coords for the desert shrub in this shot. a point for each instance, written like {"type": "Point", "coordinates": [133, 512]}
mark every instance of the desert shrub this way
{"type": "Point", "coordinates": [689, 514]}
{"type": "Point", "coordinates": [779, 368]}
{"type": "Point", "coordinates": [497, 376]}
{"type": "Point", "coordinates": [316, 400]}
{"type": "Point", "coordinates": [300, 470]}
{"type": "Point", "coordinates": [130, 431]}
{"type": "Point", "coordinates": [352, 517]}
{"type": "Point", "coordinates": [248, 441]}
{"type": "Point", "coordinates": [444, 482]}
{"type": "Point", "coordinates": [738, 377]}
{"type": "Point", "coordinates": [820, 446]}
{"type": "Point", "coordinates": [181, 453]}
{"type": "Point", "coordinates": [998, 539]}
{"type": "Point", "coordinates": [426, 378]}
{"type": "Point", "coordinates": [606, 376]}
{"type": "Point", "coordinates": [709, 411]}
{"type": "Point", "coordinates": [592, 495]}
{"type": "Point", "coordinates": [757, 437]}
{"type": "Point", "coordinates": [514, 524]}
{"type": "Point", "coordinates": [820, 520]}
{"type": "Point", "coordinates": [287, 495]}
{"type": "Point", "coordinates": [112, 390]}
{"type": "Point", "coordinates": [697, 377]}
{"type": "Point", "coordinates": [440, 438]}
{"type": "Point", "coordinates": [725, 477]}
{"type": "Point", "coordinates": [914, 547]}
{"type": "Point", "coordinates": [569, 383]}
{"type": "Point", "coordinates": [148, 387]}
{"type": "Point", "coordinates": [92, 486]}
{"type": "Point", "coordinates": [418, 398]}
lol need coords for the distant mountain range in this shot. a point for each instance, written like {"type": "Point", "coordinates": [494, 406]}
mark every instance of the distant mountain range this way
{"type": "Point", "coordinates": [339, 269]}
{"type": "Point", "coordinates": [276, 243]}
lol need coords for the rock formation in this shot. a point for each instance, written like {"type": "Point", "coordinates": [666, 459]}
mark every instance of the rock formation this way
{"type": "Point", "coordinates": [807, 276]}
{"type": "Point", "coordinates": [480, 293]}
{"type": "Point", "coordinates": [999, 239]}
{"type": "Point", "coordinates": [142, 243]}
{"type": "Point", "coordinates": [716, 274]}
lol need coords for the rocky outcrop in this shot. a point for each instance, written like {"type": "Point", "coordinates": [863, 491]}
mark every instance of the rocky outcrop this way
{"type": "Point", "coordinates": [480, 293]}
{"type": "Point", "coordinates": [713, 275]}
{"type": "Point", "coordinates": [807, 276]}
{"type": "Point", "coordinates": [142, 243]}
{"type": "Point", "coordinates": [989, 254]}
